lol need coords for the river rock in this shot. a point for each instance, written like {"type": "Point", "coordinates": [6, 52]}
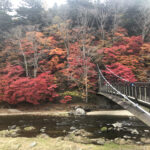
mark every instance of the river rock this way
{"type": "Point", "coordinates": [134, 138]}
{"type": "Point", "coordinates": [43, 129]}
{"type": "Point", "coordinates": [13, 133]}
{"type": "Point", "coordinates": [99, 141]}
{"type": "Point", "coordinates": [127, 137]}
{"type": "Point", "coordinates": [138, 143]}
{"type": "Point", "coordinates": [129, 141]}
{"type": "Point", "coordinates": [146, 131]}
{"type": "Point", "coordinates": [45, 119]}
{"type": "Point", "coordinates": [117, 125]}
{"type": "Point", "coordinates": [30, 128]}
{"type": "Point", "coordinates": [77, 111]}
{"type": "Point", "coordinates": [10, 133]}
{"type": "Point", "coordinates": [77, 139]}
{"type": "Point", "coordinates": [72, 128]}
{"type": "Point", "coordinates": [79, 136]}
{"type": "Point", "coordinates": [110, 129]}
{"type": "Point", "coordinates": [21, 121]}
{"type": "Point", "coordinates": [120, 141]}
{"type": "Point", "coordinates": [4, 133]}
{"type": "Point", "coordinates": [12, 127]}
{"type": "Point", "coordinates": [103, 129]}
{"type": "Point", "coordinates": [33, 144]}
{"type": "Point", "coordinates": [145, 140]}
{"type": "Point", "coordinates": [80, 111]}
{"type": "Point", "coordinates": [134, 131]}
{"type": "Point", "coordinates": [81, 132]}
{"type": "Point", "coordinates": [61, 123]}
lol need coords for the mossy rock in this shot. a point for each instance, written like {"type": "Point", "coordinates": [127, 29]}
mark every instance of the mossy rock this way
{"type": "Point", "coordinates": [30, 128]}
{"type": "Point", "coordinates": [104, 129]}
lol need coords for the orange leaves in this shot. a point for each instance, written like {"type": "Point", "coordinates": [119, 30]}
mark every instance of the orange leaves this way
{"type": "Point", "coordinates": [119, 34]}
{"type": "Point", "coordinates": [39, 34]}
{"type": "Point", "coordinates": [57, 51]}
{"type": "Point", "coordinates": [60, 66]}
{"type": "Point", "coordinates": [51, 39]}
{"type": "Point", "coordinates": [53, 62]}
{"type": "Point", "coordinates": [57, 61]}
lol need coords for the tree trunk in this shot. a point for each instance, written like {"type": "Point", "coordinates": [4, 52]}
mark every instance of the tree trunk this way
{"type": "Point", "coordinates": [25, 59]}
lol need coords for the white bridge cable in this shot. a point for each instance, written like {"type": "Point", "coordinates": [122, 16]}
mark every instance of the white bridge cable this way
{"type": "Point", "coordinates": [116, 74]}
{"type": "Point", "coordinates": [123, 95]}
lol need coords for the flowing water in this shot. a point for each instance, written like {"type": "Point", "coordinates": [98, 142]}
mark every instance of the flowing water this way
{"type": "Point", "coordinates": [61, 126]}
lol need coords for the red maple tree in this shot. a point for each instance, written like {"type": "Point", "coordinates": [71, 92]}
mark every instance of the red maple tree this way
{"type": "Point", "coordinates": [15, 88]}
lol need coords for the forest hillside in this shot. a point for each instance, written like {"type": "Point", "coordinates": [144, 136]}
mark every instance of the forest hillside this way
{"type": "Point", "coordinates": [51, 54]}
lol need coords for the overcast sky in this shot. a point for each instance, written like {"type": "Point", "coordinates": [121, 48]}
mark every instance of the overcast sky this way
{"type": "Point", "coordinates": [48, 3]}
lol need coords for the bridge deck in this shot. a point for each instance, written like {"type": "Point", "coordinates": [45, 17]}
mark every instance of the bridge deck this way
{"type": "Point", "coordinates": [122, 93]}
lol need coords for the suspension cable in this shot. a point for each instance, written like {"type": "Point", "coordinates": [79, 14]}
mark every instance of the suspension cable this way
{"type": "Point", "coordinates": [116, 74]}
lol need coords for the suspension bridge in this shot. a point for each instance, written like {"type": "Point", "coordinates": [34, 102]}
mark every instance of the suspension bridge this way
{"type": "Point", "coordinates": [134, 97]}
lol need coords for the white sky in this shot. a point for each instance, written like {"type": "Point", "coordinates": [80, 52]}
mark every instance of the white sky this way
{"type": "Point", "coordinates": [48, 3]}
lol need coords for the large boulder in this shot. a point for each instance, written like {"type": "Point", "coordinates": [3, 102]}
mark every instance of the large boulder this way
{"type": "Point", "coordinates": [80, 111]}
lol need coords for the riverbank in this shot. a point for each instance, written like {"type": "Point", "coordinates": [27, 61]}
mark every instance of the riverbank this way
{"type": "Point", "coordinates": [60, 110]}
{"type": "Point", "coordinates": [49, 127]}
{"type": "Point", "coordinates": [58, 144]}
{"type": "Point", "coordinates": [14, 112]}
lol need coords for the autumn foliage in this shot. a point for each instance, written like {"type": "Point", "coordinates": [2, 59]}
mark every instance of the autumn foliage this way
{"type": "Point", "coordinates": [79, 70]}
{"type": "Point", "coordinates": [15, 89]}
{"type": "Point", "coordinates": [66, 99]}
{"type": "Point", "coordinates": [41, 63]}
{"type": "Point", "coordinates": [121, 71]}
{"type": "Point", "coordinates": [123, 56]}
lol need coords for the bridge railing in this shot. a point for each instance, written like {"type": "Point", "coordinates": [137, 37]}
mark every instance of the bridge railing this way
{"type": "Point", "coordinates": [138, 91]}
